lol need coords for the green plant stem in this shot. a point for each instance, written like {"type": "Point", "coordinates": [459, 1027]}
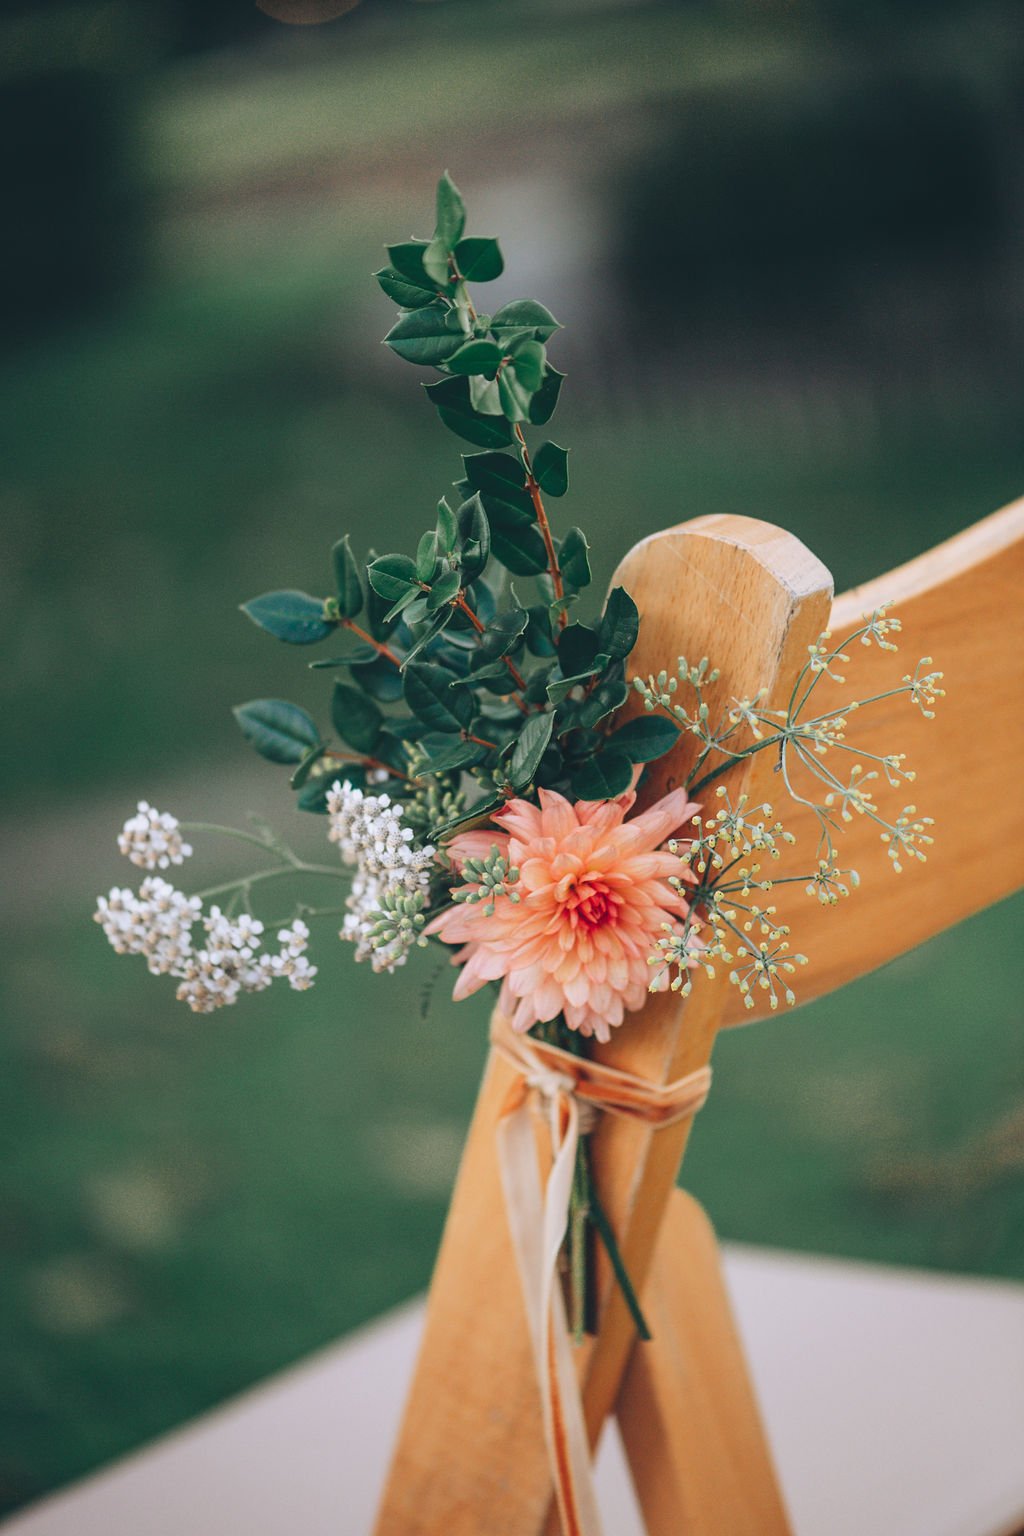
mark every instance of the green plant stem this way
{"type": "Point", "coordinates": [579, 1212]}
{"type": "Point", "coordinates": [736, 757]}
{"type": "Point", "coordinates": [607, 1236]}
{"type": "Point", "coordinates": [304, 912]}
{"type": "Point", "coordinates": [299, 867]}
{"type": "Point", "coordinates": [243, 837]}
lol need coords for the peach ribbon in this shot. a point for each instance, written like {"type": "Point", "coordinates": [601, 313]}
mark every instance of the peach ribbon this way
{"type": "Point", "coordinates": [538, 1222]}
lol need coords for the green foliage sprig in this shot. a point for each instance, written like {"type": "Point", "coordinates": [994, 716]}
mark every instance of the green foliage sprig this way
{"type": "Point", "coordinates": [464, 656]}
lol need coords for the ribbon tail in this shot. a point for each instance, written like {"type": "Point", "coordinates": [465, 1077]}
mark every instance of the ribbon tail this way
{"type": "Point", "coordinates": [538, 1226]}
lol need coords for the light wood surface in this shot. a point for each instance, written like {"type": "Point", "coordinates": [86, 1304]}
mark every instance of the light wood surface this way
{"type": "Point", "coordinates": [470, 1457]}
{"type": "Point", "coordinates": [961, 603]}
{"type": "Point", "coordinates": [686, 1410]}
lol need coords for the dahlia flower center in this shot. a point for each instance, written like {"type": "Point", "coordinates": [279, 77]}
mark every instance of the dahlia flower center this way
{"type": "Point", "coordinates": [590, 904]}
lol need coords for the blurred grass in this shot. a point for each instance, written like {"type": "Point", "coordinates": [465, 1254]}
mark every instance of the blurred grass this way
{"type": "Point", "coordinates": [187, 1204]}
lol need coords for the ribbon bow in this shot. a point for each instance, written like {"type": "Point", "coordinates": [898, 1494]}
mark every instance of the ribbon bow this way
{"type": "Point", "coordinates": [538, 1223]}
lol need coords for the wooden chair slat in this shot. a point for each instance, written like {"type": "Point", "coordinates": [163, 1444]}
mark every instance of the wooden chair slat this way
{"type": "Point", "coordinates": [687, 1413]}
{"type": "Point", "coordinates": [963, 604]}
{"type": "Point", "coordinates": [470, 1456]}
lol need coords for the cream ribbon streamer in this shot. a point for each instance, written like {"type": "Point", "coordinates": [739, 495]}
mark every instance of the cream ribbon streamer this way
{"type": "Point", "coordinates": [538, 1222]}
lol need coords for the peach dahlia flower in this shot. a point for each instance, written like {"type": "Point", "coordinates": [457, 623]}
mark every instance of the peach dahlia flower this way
{"type": "Point", "coordinates": [593, 898]}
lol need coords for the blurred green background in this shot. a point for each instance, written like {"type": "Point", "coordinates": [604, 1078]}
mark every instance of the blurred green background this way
{"type": "Point", "coordinates": [785, 241]}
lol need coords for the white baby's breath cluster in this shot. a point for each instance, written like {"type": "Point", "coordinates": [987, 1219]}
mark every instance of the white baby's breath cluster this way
{"type": "Point", "coordinates": [152, 839]}
{"type": "Point", "coordinates": [157, 922]}
{"type": "Point", "coordinates": [391, 886]}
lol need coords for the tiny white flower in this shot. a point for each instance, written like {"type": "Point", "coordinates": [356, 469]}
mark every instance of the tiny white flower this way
{"type": "Point", "coordinates": [152, 839]}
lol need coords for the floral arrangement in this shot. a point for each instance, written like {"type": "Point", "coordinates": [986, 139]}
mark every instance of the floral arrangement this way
{"type": "Point", "coordinates": [479, 780]}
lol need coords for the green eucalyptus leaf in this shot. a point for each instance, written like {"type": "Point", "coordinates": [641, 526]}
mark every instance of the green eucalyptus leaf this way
{"type": "Point", "coordinates": [405, 294]}
{"type": "Point", "coordinates": [475, 538]}
{"type": "Point", "coordinates": [528, 359]}
{"type": "Point", "coordinates": [414, 611]}
{"type": "Point", "coordinates": [444, 589]}
{"type": "Point", "coordinates": [434, 699]}
{"type": "Point", "coordinates": [376, 606]}
{"type": "Point", "coordinates": [408, 602]}
{"type": "Point", "coordinates": [393, 577]}
{"type": "Point", "coordinates": [489, 672]}
{"type": "Point", "coordinates": [645, 738]}
{"type": "Point", "coordinates": [525, 315]}
{"type": "Point", "coordinates": [574, 559]}
{"type": "Point", "coordinates": [312, 796]}
{"type": "Point", "coordinates": [539, 640]}
{"type": "Point", "coordinates": [424, 336]}
{"type": "Point", "coordinates": [438, 622]}
{"type": "Point", "coordinates": [380, 678]}
{"type": "Point", "coordinates": [609, 695]}
{"type": "Point", "coordinates": [515, 395]}
{"type": "Point", "coordinates": [475, 357]}
{"type": "Point", "coordinates": [501, 480]}
{"type": "Point", "coordinates": [484, 395]}
{"type": "Point", "coordinates": [503, 632]}
{"type": "Point", "coordinates": [347, 579]}
{"type": "Point", "coordinates": [562, 687]}
{"type": "Point", "coordinates": [551, 468]}
{"type": "Point", "coordinates": [305, 767]}
{"type": "Point", "coordinates": [406, 258]}
{"type": "Point", "coordinates": [483, 602]}
{"type": "Point", "coordinates": [467, 821]}
{"type": "Point", "coordinates": [451, 398]}
{"type": "Point", "coordinates": [352, 658]}
{"type": "Point", "coordinates": [295, 617]}
{"type": "Point", "coordinates": [519, 550]}
{"type": "Point", "coordinates": [479, 259]}
{"type": "Point", "coordinates": [435, 262]}
{"type": "Point", "coordinates": [577, 647]}
{"type": "Point", "coordinates": [465, 754]}
{"type": "Point", "coordinates": [279, 731]}
{"type": "Point", "coordinates": [427, 558]}
{"type": "Point", "coordinates": [530, 747]}
{"type": "Point", "coordinates": [542, 406]}
{"type": "Point", "coordinates": [355, 717]}
{"type": "Point", "coordinates": [620, 624]}
{"type": "Point", "coordinates": [401, 728]}
{"type": "Point", "coordinates": [447, 528]}
{"type": "Point", "coordinates": [451, 213]}
{"type": "Point", "coordinates": [602, 777]}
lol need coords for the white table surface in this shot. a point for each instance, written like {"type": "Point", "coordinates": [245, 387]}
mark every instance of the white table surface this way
{"type": "Point", "coordinates": [894, 1402]}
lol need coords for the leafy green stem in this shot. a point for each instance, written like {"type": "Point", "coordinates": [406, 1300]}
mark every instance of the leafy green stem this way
{"type": "Point", "coordinates": [607, 1236]}
{"type": "Point", "coordinates": [236, 832]}
{"type": "Point", "coordinates": [293, 867]}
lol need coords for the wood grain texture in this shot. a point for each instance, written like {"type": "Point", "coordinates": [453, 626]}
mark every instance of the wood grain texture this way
{"type": "Point", "coordinates": [470, 1458]}
{"type": "Point", "coordinates": [687, 1412]}
{"type": "Point", "coordinates": [962, 603]}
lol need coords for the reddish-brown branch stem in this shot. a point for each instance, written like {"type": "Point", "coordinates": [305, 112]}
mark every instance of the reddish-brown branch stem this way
{"type": "Point", "coordinates": [542, 522]}
{"type": "Point", "coordinates": [378, 645]}
{"type": "Point", "coordinates": [368, 762]}
{"type": "Point", "coordinates": [480, 741]}
{"type": "Point", "coordinates": [517, 676]}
